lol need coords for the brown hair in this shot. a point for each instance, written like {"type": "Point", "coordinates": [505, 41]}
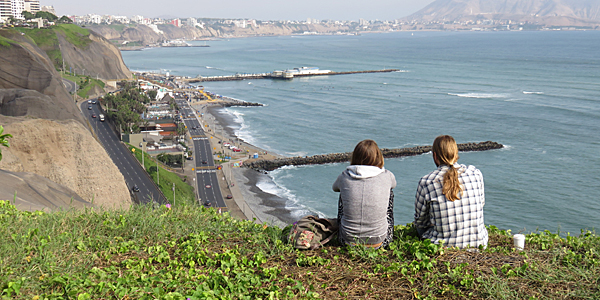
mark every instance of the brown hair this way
{"type": "Point", "coordinates": [367, 153]}
{"type": "Point", "coordinates": [446, 152]}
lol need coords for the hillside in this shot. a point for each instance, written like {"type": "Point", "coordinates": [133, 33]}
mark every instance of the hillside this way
{"type": "Point", "coordinates": [188, 252]}
{"type": "Point", "coordinates": [50, 136]}
{"type": "Point", "coordinates": [542, 11]}
{"type": "Point", "coordinates": [143, 35]}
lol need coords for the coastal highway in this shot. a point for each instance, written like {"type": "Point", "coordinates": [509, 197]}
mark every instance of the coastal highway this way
{"type": "Point", "coordinates": [207, 182]}
{"type": "Point", "coordinates": [130, 168]}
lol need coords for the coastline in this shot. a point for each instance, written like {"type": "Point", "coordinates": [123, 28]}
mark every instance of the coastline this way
{"type": "Point", "coordinates": [243, 182]}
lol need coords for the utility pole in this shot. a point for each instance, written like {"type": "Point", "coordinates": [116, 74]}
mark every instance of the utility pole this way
{"type": "Point", "coordinates": [173, 193]}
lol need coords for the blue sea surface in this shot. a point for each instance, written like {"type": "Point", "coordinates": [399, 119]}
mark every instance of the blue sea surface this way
{"type": "Point", "coordinates": [538, 93]}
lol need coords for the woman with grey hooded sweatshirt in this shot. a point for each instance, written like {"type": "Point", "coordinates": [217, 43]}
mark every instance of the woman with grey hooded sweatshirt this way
{"type": "Point", "coordinates": [366, 205]}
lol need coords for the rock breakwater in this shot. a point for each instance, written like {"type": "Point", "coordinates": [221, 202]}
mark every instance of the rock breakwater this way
{"type": "Point", "coordinates": [270, 165]}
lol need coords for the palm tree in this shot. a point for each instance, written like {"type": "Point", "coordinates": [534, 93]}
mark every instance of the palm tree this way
{"type": "Point", "coordinates": [4, 140]}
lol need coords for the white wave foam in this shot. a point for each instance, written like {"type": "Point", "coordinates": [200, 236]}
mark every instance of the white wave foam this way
{"type": "Point", "coordinates": [296, 153]}
{"type": "Point", "coordinates": [402, 71]}
{"type": "Point", "coordinates": [209, 67]}
{"type": "Point", "coordinates": [479, 95]}
{"type": "Point", "coordinates": [271, 186]}
{"type": "Point", "coordinates": [536, 93]}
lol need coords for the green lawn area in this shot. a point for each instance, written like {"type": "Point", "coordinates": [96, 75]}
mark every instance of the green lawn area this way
{"type": "Point", "coordinates": [84, 83]}
{"type": "Point", "coordinates": [183, 191]}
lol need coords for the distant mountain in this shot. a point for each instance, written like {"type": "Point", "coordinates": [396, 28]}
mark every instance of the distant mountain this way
{"type": "Point", "coordinates": [455, 10]}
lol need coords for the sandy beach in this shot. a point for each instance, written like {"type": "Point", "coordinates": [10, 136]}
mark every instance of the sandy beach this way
{"type": "Point", "coordinates": [242, 182]}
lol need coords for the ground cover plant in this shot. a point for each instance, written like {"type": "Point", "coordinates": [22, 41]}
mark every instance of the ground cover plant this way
{"type": "Point", "coordinates": [190, 252]}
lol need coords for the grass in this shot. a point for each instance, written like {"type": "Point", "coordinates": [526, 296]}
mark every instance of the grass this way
{"type": "Point", "coordinates": [4, 42]}
{"type": "Point", "coordinates": [74, 34]}
{"type": "Point", "coordinates": [84, 83]}
{"type": "Point", "coordinates": [183, 191]}
{"type": "Point", "coordinates": [190, 252]}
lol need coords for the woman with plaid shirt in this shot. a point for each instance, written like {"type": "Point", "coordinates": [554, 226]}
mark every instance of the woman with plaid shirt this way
{"type": "Point", "coordinates": [449, 201]}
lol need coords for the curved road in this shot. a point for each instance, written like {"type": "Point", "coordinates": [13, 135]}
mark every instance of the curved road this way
{"type": "Point", "coordinates": [128, 165]}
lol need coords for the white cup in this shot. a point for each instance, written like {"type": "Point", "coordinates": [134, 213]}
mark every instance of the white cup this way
{"type": "Point", "coordinates": [519, 241]}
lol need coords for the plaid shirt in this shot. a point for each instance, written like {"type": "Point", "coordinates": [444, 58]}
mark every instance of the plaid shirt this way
{"type": "Point", "coordinates": [457, 223]}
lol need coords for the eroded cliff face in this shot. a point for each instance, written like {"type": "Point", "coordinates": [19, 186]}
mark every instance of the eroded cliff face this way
{"type": "Point", "coordinates": [66, 153]}
{"type": "Point", "coordinates": [147, 36]}
{"type": "Point", "coordinates": [25, 70]}
{"type": "Point", "coordinates": [100, 58]}
{"type": "Point", "coordinates": [50, 135]}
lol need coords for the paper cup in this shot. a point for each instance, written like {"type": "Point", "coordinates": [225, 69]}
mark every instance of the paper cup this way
{"type": "Point", "coordinates": [519, 241]}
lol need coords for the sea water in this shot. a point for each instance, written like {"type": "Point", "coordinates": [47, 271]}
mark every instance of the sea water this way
{"type": "Point", "coordinates": [538, 93]}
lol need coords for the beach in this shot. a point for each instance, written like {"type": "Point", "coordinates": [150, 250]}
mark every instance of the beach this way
{"type": "Point", "coordinates": [242, 183]}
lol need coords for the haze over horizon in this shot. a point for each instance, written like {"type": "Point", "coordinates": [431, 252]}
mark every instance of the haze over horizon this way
{"type": "Point", "coordinates": [240, 9]}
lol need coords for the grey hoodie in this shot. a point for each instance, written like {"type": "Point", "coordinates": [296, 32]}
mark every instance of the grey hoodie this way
{"type": "Point", "coordinates": [365, 194]}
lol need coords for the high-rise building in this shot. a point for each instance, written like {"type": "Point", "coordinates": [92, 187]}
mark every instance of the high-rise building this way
{"type": "Point", "coordinates": [49, 9]}
{"type": "Point", "coordinates": [32, 6]}
{"type": "Point", "coordinates": [17, 8]}
{"type": "Point", "coordinates": [5, 9]}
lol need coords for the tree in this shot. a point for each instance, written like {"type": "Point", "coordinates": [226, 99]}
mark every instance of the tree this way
{"type": "Point", "coordinates": [152, 94]}
{"type": "Point", "coordinates": [46, 15]}
{"type": "Point", "coordinates": [65, 20]}
{"type": "Point", "coordinates": [3, 140]}
{"type": "Point", "coordinates": [27, 15]}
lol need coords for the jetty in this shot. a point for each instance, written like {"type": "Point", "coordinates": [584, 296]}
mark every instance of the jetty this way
{"type": "Point", "coordinates": [270, 165]}
{"type": "Point", "coordinates": [287, 74]}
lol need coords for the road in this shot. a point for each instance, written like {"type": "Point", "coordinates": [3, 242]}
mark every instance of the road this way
{"type": "Point", "coordinates": [130, 168]}
{"type": "Point", "coordinates": [70, 85]}
{"type": "Point", "coordinates": [206, 171]}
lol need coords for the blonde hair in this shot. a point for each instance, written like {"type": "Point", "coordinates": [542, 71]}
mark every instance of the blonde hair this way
{"type": "Point", "coordinates": [446, 152]}
{"type": "Point", "coordinates": [367, 153]}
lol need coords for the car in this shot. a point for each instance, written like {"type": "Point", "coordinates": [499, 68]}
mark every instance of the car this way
{"type": "Point", "coordinates": [89, 101]}
{"type": "Point", "coordinates": [190, 158]}
{"type": "Point", "coordinates": [208, 186]}
{"type": "Point", "coordinates": [135, 188]}
{"type": "Point", "coordinates": [93, 115]}
{"type": "Point", "coordinates": [89, 107]}
{"type": "Point", "coordinates": [229, 196]}
{"type": "Point", "coordinates": [204, 162]}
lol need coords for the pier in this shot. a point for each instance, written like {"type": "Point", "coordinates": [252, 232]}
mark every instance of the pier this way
{"type": "Point", "coordinates": [270, 165]}
{"type": "Point", "coordinates": [278, 75]}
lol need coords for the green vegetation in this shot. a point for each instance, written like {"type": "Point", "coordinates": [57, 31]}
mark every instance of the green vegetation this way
{"type": "Point", "coordinates": [46, 39]}
{"type": "Point", "coordinates": [85, 84]}
{"type": "Point", "coordinates": [80, 37]}
{"type": "Point", "coordinates": [183, 191]}
{"type": "Point", "coordinates": [170, 160]}
{"type": "Point", "coordinates": [4, 42]}
{"type": "Point", "coordinates": [4, 140]}
{"type": "Point", "coordinates": [189, 252]}
{"type": "Point", "coordinates": [126, 106]}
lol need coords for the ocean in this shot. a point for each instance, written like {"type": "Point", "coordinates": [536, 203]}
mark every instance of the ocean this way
{"type": "Point", "coordinates": [538, 93]}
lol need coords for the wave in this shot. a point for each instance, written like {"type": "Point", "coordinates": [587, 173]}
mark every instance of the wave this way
{"type": "Point", "coordinates": [536, 93]}
{"type": "Point", "coordinates": [209, 67]}
{"type": "Point", "coordinates": [403, 71]}
{"type": "Point", "coordinates": [271, 186]}
{"type": "Point", "coordinates": [479, 95]}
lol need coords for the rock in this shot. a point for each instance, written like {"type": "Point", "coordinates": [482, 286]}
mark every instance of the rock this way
{"type": "Point", "coordinates": [65, 153]}
{"type": "Point", "coordinates": [270, 165]}
{"type": "Point", "coordinates": [31, 192]}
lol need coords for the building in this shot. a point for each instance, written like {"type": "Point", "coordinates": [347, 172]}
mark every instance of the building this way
{"type": "Point", "coordinates": [176, 22]}
{"type": "Point", "coordinates": [49, 9]}
{"type": "Point", "coordinates": [5, 9]}
{"type": "Point", "coordinates": [32, 6]}
{"type": "Point", "coordinates": [17, 8]}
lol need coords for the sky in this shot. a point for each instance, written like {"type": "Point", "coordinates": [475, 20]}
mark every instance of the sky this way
{"type": "Point", "coordinates": [246, 9]}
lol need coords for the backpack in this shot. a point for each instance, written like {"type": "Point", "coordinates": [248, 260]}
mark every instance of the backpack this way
{"type": "Point", "coordinates": [312, 232]}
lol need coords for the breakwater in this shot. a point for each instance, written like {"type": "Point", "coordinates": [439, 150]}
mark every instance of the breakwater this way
{"type": "Point", "coordinates": [273, 76]}
{"type": "Point", "coordinates": [270, 165]}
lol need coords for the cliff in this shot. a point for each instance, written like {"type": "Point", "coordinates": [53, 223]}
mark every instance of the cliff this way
{"type": "Point", "coordinates": [145, 35]}
{"type": "Point", "coordinates": [34, 86]}
{"type": "Point", "coordinates": [51, 138]}
{"type": "Point", "coordinates": [64, 152]}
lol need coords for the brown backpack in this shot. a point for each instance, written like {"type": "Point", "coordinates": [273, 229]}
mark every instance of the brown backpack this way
{"type": "Point", "coordinates": [312, 232]}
